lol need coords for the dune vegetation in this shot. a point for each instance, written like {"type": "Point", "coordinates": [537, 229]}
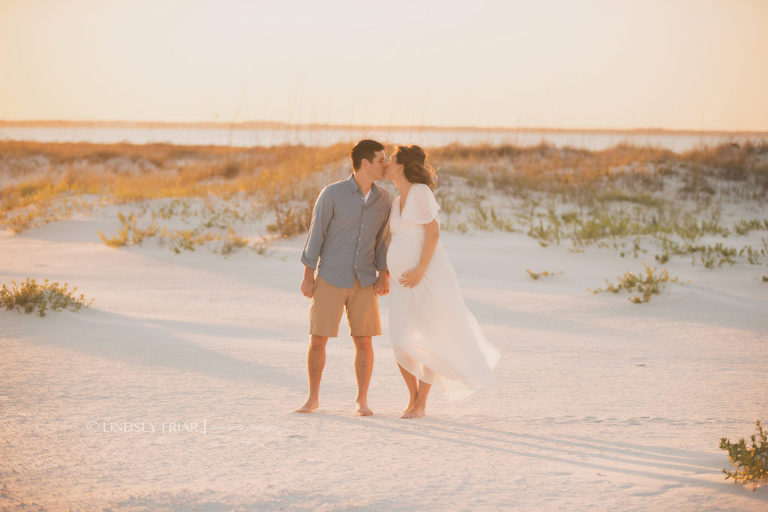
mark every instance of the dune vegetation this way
{"type": "Point", "coordinates": [707, 205]}
{"type": "Point", "coordinates": [32, 296]}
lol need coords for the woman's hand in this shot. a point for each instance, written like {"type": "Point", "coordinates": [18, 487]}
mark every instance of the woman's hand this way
{"type": "Point", "coordinates": [412, 277]}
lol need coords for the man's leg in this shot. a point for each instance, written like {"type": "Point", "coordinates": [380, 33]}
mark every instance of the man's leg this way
{"type": "Point", "coordinates": [315, 365]}
{"type": "Point", "coordinates": [325, 312]}
{"type": "Point", "coordinates": [363, 317]}
{"type": "Point", "coordinates": [363, 371]}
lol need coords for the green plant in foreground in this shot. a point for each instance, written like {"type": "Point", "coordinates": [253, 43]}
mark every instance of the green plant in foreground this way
{"type": "Point", "coordinates": [536, 275]}
{"type": "Point", "coordinates": [651, 284]}
{"type": "Point", "coordinates": [751, 462]}
{"type": "Point", "coordinates": [31, 295]}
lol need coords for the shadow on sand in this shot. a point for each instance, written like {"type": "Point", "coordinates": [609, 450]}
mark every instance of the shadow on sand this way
{"type": "Point", "coordinates": [670, 465]}
{"type": "Point", "coordinates": [151, 343]}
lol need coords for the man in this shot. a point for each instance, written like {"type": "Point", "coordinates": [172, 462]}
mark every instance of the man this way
{"type": "Point", "coordinates": [347, 245]}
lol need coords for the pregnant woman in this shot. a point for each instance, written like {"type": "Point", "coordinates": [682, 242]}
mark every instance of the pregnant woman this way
{"type": "Point", "coordinates": [434, 336]}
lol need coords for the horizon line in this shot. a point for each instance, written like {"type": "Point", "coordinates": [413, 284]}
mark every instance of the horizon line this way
{"type": "Point", "coordinates": [348, 126]}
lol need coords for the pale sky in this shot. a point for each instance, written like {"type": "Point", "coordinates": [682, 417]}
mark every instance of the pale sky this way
{"type": "Point", "coordinates": [675, 64]}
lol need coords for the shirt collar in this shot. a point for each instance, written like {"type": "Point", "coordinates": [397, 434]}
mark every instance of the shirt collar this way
{"type": "Point", "coordinates": [354, 186]}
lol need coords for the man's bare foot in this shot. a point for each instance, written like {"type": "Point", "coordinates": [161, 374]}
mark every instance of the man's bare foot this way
{"type": "Point", "coordinates": [309, 406]}
{"type": "Point", "coordinates": [414, 412]}
{"type": "Point", "coordinates": [363, 410]}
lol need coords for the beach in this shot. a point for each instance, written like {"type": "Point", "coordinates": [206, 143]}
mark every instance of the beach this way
{"type": "Point", "coordinates": [175, 389]}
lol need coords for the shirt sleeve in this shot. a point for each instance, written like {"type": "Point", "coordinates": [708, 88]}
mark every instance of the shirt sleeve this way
{"type": "Point", "coordinates": [318, 229]}
{"type": "Point", "coordinates": [382, 243]}
{"type": "Point", "coordinates": [421, 207]}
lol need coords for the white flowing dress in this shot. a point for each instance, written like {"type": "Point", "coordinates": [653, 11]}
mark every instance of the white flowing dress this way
{"type": "Point", "coordinates": [434, 336]}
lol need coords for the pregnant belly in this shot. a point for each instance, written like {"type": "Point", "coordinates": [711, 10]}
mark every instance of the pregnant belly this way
{"type": "Point", "coordinates": [404, 252]}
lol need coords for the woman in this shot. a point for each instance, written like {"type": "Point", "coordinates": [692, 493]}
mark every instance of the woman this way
{"type": "Point", "coordinates": [434, 336]}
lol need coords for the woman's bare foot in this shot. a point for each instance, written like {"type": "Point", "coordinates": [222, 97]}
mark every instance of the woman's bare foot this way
{"type": "Point", "coordinates": [411, 403]}
{"type": "Point", "coordinates": [417, 411]}
{"type": "Point", "coordinates": [309, 406]}
{"type": "Point", "coordinates": [363, 409]}
{"type": "Point", "coordinates": [419, 403]}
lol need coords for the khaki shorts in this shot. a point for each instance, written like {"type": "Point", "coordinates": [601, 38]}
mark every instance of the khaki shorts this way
{"type": "Point", "coordinates": [328, 304]}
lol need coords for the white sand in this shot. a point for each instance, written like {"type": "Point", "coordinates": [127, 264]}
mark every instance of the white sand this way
{"type": "Point", "coordinates": [600, 404]}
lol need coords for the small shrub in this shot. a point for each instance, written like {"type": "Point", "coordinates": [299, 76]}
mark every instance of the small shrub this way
{"type": "Point", "coordinates": [187, 239]}
{"type": "Point", "coordinates": [536, 275]}
{"type": "Point", "coordinates": [290, 221]}
{"type": "Point", "coordinates": [753, 255]}
{"type": "Point", "coordinates": [751, 462]}
{"type": "Point", "coordinates": [651, 284]}
{"type": "Point", "coordinates": [21, 222]}
{"type": "Point", "coordinates": [119, 240]}
{"type": "Point", "coordinates": [487, 219]}
{"type": "Point", "coordinates": [262, 246]}
{"type": "Point", "coordinates": [234, 242]}
{"type": "Point", "coordinates": [139, 235]}
{"type": "Point", "coordinates": [743, 227]}
{"type": "Point", "coordinates": [31, 295]}
{"type": "Point", "coordinates": [129, 225]}
{"type": "Point", "coordinates": [545, 234]}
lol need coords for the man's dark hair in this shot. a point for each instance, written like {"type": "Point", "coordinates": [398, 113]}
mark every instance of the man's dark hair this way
{"type": "Point", "coordinates": [367, 149]}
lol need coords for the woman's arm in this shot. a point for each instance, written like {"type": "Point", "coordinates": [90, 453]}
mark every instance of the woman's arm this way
{"type": "Point", "coordinates": [431, 236]}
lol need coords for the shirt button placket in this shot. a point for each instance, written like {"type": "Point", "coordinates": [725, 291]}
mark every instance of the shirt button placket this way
{"type": "Point", "coordinates": [360, 233]}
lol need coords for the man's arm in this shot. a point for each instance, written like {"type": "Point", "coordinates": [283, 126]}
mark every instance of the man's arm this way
{"type": "Point", "coordinates": [318, 229]}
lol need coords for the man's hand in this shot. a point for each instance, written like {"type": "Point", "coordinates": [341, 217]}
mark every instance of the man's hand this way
{"type": "Point", "coordinates": [381, 286]}
{"type": "Point", "coordinates": [308, 283]}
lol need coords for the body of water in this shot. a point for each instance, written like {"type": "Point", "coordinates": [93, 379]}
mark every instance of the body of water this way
{"type": "Point", "coordinates": [326, 136]}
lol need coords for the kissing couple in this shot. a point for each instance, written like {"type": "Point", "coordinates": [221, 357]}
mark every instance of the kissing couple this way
{"type": "Point", "coordinates": [358, 238]}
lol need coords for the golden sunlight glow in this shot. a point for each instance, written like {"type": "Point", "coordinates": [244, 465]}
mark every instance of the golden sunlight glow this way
{"type": "Point", "coordinates": [681, 64]}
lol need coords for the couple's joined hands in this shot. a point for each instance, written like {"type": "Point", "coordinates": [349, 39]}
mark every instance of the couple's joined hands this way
{"type": "Point", "coordinates": [381, 286]}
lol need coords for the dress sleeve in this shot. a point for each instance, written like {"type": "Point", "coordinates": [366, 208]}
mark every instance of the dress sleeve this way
{"type": "Point", "coordinates": [421, 205]}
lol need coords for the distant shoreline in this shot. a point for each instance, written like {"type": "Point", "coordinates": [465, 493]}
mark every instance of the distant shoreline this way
{"type": "Point", "coordinates": [275, 125]}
